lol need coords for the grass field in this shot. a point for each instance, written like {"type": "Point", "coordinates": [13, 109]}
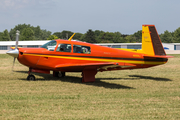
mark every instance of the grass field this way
{"type": "Point", "coordinates": [152, 93]}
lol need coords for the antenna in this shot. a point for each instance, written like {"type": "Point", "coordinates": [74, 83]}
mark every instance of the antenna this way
{"type": "Point", "coordinates": [71, 37]}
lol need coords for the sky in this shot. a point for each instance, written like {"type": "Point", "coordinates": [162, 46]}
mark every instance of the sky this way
{"type": "Point", "coordinates": [124, 16]}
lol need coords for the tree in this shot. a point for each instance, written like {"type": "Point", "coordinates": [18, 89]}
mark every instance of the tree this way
{"type": "Point", "coordinates": [130, 39]}
{"type": "Point", "coordinates": [90, 37]}
{"type": "Point", "coordinates": [118, 38]}
{"type": "Point", "coordinates": [106, 37]}
{"type": "Point", "coordinates": [98, 32]}
{"type": "Point", "coordinates": [110, 37]}
{"type": "Point", "coordinates": [12, 34]}
{"type": "Point", "coordinates": [166, 37]}
{"type": "Point", "coordinates": [1, 36]}
{"type": "Point", "coordinates": [27, 34]}
{"type": "Point", "coordinates": [66, 34]}
{"type": "Point", "coordinates": [5, 36]}
{"type": "Point", "coordinates": [58, 34]}
{"type": "Point", "coordinates": [77, 36]}
{"type": "Point", "coordinates": [137, 36]}
{"type": "Point", "coordinates": [45, 34]}
{"type": "Point", "coordinates": [39, 34]}
{"type": "Point", "coordinates": [19, 27]}
{"type": "Point", "coordinates": [52, 37]}
{"type": "Point", "coordinates": [177, 35]}
{"type": "Point", "coordinates": [83, 37]}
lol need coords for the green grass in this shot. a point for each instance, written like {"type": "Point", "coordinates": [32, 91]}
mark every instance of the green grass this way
{"type": "Point", "coordinates": [152, 93]}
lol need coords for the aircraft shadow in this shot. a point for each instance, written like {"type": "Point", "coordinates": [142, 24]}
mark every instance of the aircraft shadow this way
{"type": "Point", "coordinates": [21, 71]}
{"type": "Point", "coordinates": [150, 78]}
{"type": "Point", "coordinates": [97, 83]}
{"type": "Point", "coordinates": [73, 79]}
{"type": "Point", "coordinates": [133, 77]}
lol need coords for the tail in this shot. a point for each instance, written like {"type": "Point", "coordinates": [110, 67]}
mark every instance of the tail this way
{"type": "Point", "coordinates": [151, 43]}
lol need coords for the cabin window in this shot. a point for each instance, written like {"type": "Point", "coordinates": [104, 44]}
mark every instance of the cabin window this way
{"type": "Point", "coordinates": [81, 49]}
{"type": "Point", "coordinates": [50, 45]}
{"type": "Point", "coordinates": [64, 48]}
{"type": "Point", "coordinates": [32, 46]}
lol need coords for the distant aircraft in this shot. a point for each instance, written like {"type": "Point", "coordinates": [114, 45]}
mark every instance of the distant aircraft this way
{"type": "Point", "coordinates": [62, 56]}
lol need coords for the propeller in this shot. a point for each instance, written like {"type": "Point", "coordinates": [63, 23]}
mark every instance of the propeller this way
{"type": "Point", "coordinates": [13, 64]}
{"type": "Point", "coordinates": [14, 53]}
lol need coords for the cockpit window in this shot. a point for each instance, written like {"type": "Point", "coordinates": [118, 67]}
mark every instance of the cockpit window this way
{"type": "Point", "coordinates": [50, 45]}
{"type": "Point", "coordinates": [81, 49]}
{"type": "Point", "coordinates": [64, 48]}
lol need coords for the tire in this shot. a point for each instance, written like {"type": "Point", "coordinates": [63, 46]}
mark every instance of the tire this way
{"type": "Point", "coordinates": [61, 74]}
{"type": "Point", "coordinates": [55, 74]}
{"type": "Point", "coordinates": [31, 78]}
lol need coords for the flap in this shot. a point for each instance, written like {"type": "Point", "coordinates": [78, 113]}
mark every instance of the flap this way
{"type": "Point", "coordinates": [99, 65]}
{"type": "Point", "coordinates": [82, 65]}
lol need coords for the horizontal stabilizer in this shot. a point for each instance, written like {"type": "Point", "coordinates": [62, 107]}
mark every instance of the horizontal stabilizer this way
{"type": "Point", "coordinates": [158, 56]}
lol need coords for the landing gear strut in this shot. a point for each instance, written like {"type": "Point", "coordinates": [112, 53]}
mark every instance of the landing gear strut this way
{"type": "Point", "coordinates": [58, 74]}
{"type": "Point", "coordinates": [88, 75]}
{"type": "Point", "coordinates": [30, 77]}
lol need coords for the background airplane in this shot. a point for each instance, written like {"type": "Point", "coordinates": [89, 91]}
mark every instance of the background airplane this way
{"type": "Point", "coordinates": [62, 56]}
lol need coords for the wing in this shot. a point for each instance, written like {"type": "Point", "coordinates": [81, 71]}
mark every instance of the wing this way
{"type": "Point", "coordinates": [98, 66]}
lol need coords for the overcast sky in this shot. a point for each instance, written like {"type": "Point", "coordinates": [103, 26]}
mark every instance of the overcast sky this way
{"type": "Point", "coordinates": [125, 16]}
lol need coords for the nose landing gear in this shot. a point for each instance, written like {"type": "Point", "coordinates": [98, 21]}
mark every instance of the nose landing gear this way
{"type": "Point", "coordinates": [31, 78]}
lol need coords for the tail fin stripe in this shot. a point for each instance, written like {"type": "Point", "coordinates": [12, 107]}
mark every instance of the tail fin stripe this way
{"type": "Point", "coordinates": [158, 48]}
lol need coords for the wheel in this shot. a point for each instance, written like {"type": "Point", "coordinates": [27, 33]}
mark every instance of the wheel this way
{"type": "Point", "coordinates": [61, 74]}
{"type": "Point", "coordinates": [31, 78]}
{"type": "Point", "coordinates": [55, 74]}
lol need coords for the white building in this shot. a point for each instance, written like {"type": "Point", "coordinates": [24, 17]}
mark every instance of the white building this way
{"type": "Point", "coordinates": [5, 45]}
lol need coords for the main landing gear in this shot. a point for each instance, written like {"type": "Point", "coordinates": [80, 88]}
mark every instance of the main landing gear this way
{"type": "Point", "coordinates": [58, 74]}
{"type": "Point", "coordinates": [31, 77]}
{"type": "Point", "coordinates": [88, 75]}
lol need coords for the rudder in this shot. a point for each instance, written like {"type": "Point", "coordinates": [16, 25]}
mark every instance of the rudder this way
{"type": "Point", "coordinates": [151, 43]}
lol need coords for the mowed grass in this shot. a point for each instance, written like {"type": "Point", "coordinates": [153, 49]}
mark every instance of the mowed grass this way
{"type": "Point", "coordinates": [152, 93]}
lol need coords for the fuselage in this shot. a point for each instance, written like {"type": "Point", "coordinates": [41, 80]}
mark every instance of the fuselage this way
{"type": "Point", "coordinates": [64, 52]}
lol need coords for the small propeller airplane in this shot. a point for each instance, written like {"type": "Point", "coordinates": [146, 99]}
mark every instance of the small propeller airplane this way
{"type": "Point", "coordinates": [62, 56]}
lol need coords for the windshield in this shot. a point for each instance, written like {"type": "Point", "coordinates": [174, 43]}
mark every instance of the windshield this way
{"type": "Point", "coordinates": [50, 45]}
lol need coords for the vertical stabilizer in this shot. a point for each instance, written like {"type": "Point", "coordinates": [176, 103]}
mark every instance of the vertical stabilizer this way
{"type": "Point", "coordinates": [151, 43]}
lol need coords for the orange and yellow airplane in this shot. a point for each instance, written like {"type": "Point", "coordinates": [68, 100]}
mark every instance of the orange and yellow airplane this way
{"type": "Point", "coordinates": [62, 56]}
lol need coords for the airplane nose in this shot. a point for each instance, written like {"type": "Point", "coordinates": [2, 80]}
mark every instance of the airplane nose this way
{"type": "Point", "coordinates": [13, 53]}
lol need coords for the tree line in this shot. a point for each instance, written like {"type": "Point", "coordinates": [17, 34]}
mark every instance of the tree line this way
{"type": "Point", "coordinates": [28, 32]}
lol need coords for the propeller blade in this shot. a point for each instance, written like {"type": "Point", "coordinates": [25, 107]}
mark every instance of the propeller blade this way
{"type": "Point", "coordinates": [14, 52]}
{"type": "Point", "coordinates": [13, 64]}
{"type": "Point", "coordinates": [17, 39]}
